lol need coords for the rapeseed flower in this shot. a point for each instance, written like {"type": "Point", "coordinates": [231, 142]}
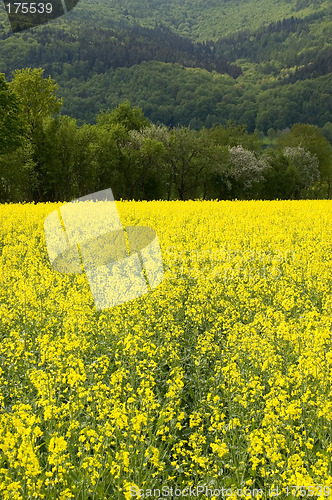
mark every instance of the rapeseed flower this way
{"type": "Point", "coordinates": [222, 375]}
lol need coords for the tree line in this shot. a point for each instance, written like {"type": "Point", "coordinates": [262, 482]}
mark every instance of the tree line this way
{"type": "Point", "coordinates": [46, 156]}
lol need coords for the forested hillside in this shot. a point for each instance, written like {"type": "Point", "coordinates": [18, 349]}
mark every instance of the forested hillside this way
{"type": "Point", "coordinates": [46, 156]}
{"type": "Point", "coordinates": [265, 64]}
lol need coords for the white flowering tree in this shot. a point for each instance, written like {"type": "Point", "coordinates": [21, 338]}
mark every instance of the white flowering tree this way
{"type": "Point", "coordinates": [306, 166]}
{"type": "Point", "coordinates": [293, 171]}
{"type": "Point", "coordinates": [244, 171]}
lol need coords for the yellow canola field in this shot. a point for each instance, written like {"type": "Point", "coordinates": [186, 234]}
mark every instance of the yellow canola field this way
{"type": "Point", "coordinates": [220, 378]}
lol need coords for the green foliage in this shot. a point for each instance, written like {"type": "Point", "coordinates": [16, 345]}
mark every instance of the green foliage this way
{"type": "Point", "coordinates": [281, 177]}
{"type": "Point", "coordinates": [14, 158]}
{"type": "Point", "coordinates": [327, 131]}
{"type": "Point", "coordinates": [234, 135]}
{"type": "Point", "coordinates": [59, 160]}
{"type": "Point", "coordinates": [17, 181]}
{"type": "Point", "coordinates": [173, 95]}
{"type": "Point", "coordinates": [189, 156]}
{"type": "Point", "coordinates": [132, 118]}
{"type": "Point", "coordinates": [212, 18]}
{"type": "Point", "coordinates": [11, 127]}
{"type": "Point", "coordinates": [313, 140]}
{"type": "Point", "coordinates": [304, 101]}
{"type": "Point", "coordinates": [38, 102]}
{"type": "Point", "coordinates": [293, 41]}
{"type": "Point", "coordinates": [103, 53]}
{"type": "Point", "coordinates": [38, 96]}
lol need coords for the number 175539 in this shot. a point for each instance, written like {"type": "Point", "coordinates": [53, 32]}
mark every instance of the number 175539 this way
{"type": "Point", "coordinates": [29, 8]}
{"type": "Point", "coordinates": [310, 491]}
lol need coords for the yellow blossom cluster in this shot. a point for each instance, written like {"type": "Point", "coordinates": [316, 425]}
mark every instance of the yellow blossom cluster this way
{"type": "Point", "coordinates": [221, 376]}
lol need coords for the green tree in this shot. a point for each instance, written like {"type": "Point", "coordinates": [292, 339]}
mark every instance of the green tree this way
{"type": "Point", "coordinates": [311, 138]}
{"type": "Point", "coordinates": [327, 131]}
{"type": "Point", "coordinates": [235, 135]}
{"type": "Point", "coordinates": [132, 118]}
{"type": "Point", "coordinates": [106, 156]}
{"type": "Point", "coordinates": [291, 173]}
{"type": "Point", "coordinates": [38, 97]}
{"type": "Point", "coordinates": [281, 177]}
{"type": "Point", "coordinates": [86, 172]}
{"type": "Point", "coordinates": [216, 183]}
{"type": "Point", "coordinates": [143, 172]}
{"type": "Point", "coordinates": [131, 161]}
{"type": "Point", "coordinates": [14, 151]}
{"type": "Point", "coordinates": [16, 175]}
{"type": "Point", "coordinates": [11, 126]}
{"type": "Point", "coordinates": [306, 166]}
{"type": "Point", "coordinates": [58, 159]}
{"type": "Point", "coordinates": [244, 172]}
{"type": "Point", "coordinates": [190, 155]}
{"type": "Point", "coordinates": [38, 102]}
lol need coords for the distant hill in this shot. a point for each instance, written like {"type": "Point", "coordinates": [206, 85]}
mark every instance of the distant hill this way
{"type": "Point", "coordinates": [195, 19]}
{"type": "Point", "coordinates": [98, 50]}
{"type": "Point", "coordinates": [264, 63]}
